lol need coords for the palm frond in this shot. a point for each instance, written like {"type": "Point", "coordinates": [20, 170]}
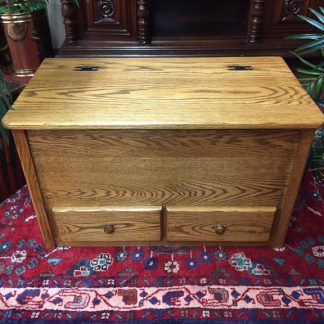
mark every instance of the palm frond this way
{"type": "Point", "coordinates": [312, 78]}
{"type": "Point", "coordinates": [313, 22]}
{"type": "Point", "coordinates": [305, 36]}
{"type": "Point", "coordinates": [309, 64]}
{"type": "Point", "coordinates": [311, 47]}
{"type": "Point", "coordinates": [319, 16]}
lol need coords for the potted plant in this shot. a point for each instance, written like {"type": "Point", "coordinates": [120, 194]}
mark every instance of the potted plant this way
{"type": "Point", "coordinates": [312, 77]}
{"type": "Point", "coordinates": [27, 33]}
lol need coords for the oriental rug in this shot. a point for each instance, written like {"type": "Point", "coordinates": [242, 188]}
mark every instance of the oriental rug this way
{"type": "Point", "coordinates": [182, 284]}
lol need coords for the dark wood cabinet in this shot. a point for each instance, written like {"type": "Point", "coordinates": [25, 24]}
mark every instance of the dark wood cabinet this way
{"type": "Point", "coordinates": [183, 27]}
{"type": "Point", "coordinates": [280, 19]}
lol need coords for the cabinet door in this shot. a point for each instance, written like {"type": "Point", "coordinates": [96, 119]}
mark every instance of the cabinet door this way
{"type": "Point", "coordinates": [109, 20]}
{"type": "Point", "coordinates": [281, 20]}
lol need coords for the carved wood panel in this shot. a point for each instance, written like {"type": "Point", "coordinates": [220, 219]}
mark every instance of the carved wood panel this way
{"type": "Point", "coordinates": [105, 12]}
{"type": "Point", "coordinates": [290, 9]}
{"type": "Point", "coordinates": [110, 20]}
{"type": "Point", "coordinates": [282, 19]}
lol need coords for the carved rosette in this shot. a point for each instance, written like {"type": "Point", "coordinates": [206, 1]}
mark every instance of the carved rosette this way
{"type": "Point", "coordinates": [106, 11]}
{"type": "Point", "coordinates": [144, 21]}
{"type": "Point", "coordinates": [255, 20]}
{"type": "Point", "coordinates": [70, 21]}
{"type": "Point", "coordinates": [291, 9]}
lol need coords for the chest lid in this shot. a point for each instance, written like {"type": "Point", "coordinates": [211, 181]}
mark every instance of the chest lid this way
{"type": "Point", "coordinates": [168, 93]}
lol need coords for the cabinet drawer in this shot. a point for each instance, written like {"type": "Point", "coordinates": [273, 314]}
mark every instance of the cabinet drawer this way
{"type": "Point", "coordinates": [241, 224]}
{"type": "Point", "coordinates": [107, 224]}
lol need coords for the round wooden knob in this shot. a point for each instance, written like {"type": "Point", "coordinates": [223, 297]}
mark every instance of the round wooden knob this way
{"type": "Point", "coordinates": [219, 229]}
{"type": "Point", "coordinates": [109, 228]}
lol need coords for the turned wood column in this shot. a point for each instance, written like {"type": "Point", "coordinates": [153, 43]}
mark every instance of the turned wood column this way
{"type": "Point", "coordinates": [256, 13]}
{"type": "Point", "coordinates": [70, 20]}
{"type": "Point", "coordinates": [143, 21]}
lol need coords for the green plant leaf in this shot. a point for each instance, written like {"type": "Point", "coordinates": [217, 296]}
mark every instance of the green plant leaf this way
{"type": "Point", "coordinates": [317, 14]}
{"type": "Point", "coordinates": [311, 50]}
{"type": "Point", "coordinates": [7, 101]}
{"type": "Point", "coordinates": [313, 66]}
{"type": "Point", "coordinates": [311, 46]}
{"type": "Point", "coordinates": [312, 22]}
{"type": "Point", "coordinates": [3, 110]}
{"type": "Point", "coordinates": [310, 88]}
{"type": "Point", "coordinates": [319, 87]}
{"type": "Point", "coordinates": [304, 36]}
{"type": "Point", "coordinates": [306, 79]}
{"type": "Point", "coordinates": [310, 72]}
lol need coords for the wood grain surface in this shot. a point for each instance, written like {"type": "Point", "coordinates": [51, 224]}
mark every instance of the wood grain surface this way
{"type": "Point", "coordinates": [164, 93]}
{"type": "Point", "coordinates": [87, 224]}
{"type": "Point", "coordinates": [33, 186]}
{"type": "Point", "coordinates": [163, 168]}
{"type": "Point", "coordinates": [208, 146]}
{"type": "Point", "coordinates": [200, 223]}
{"type": "Point", "coordinates": [296, 172]}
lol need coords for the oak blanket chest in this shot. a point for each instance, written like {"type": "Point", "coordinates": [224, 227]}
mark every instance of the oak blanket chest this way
{"type": "Point", "coordinates": [163, 150]}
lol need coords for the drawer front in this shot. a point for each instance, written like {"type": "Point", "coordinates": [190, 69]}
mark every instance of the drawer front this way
{"type": "Point", "coordinates": [107, 224]}
{"type": "Point", "coordinates": [219, 224]}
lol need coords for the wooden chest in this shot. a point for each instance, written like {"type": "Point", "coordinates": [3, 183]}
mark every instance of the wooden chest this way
{"type": "Point", "coordinates": [164, 150]}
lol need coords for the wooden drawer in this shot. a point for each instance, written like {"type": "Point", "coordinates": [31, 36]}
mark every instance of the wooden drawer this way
{"type": "Point", "coordinates": [112, 224]}
{"type": "Point", "coordinates": [241, 224]}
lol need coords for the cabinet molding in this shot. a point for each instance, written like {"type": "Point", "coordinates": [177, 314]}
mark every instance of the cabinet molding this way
{"type": "Point", "coordinates": [190, 28]}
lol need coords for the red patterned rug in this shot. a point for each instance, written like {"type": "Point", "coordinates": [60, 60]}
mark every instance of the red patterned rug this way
{"type": "Point", "coordinates": [160, 284]}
